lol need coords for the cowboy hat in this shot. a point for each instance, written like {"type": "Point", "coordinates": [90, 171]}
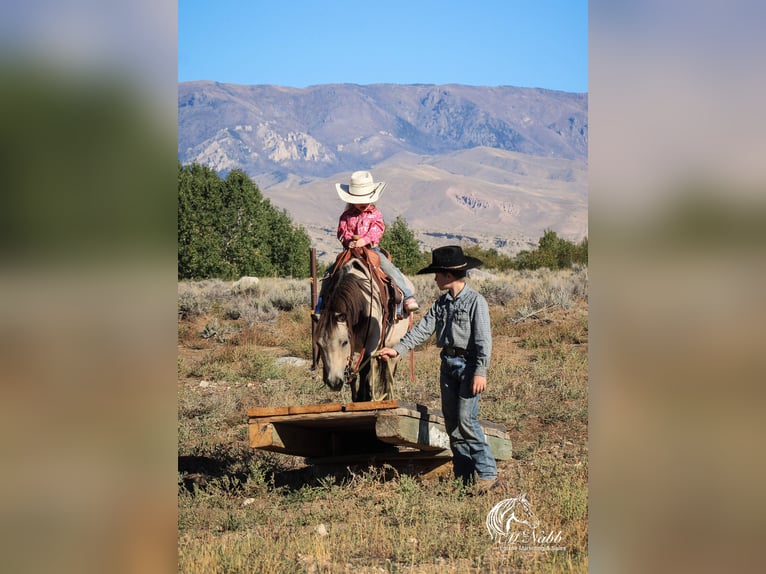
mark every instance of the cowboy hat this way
{"type": "Point", "coordinates": [362, 188]}
{"type": "Point", "coordinates": [450, 258]}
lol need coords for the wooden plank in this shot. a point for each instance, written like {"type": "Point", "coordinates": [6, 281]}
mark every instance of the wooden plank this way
{"type": "Point", "coordinates": [310, 409]}
{"type": "Point", "coordinates": [370, 406]}
{"type": "Point", "coordinates": [339, 419]}
{"type": "Point", "coordinates": [267, 411]}
{"type": "Point", "coordinates": [259, 412]}
{"type": "Point", "coordinates": [263, 412]}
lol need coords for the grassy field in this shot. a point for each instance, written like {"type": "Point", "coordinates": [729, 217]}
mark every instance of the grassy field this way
{"type": "Point", "coordinates": [241, 510]}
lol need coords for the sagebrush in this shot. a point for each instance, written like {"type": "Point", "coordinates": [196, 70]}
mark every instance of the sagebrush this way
{"type": "Point", "coordinates": [241, 510]}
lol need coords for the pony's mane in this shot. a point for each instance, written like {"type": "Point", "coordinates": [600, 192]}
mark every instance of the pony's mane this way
{"type": "Point", "coordinates": [347, 294]}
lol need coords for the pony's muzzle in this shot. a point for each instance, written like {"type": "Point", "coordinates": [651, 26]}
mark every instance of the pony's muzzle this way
{"type": "Point", "coordinates": [335, 383]}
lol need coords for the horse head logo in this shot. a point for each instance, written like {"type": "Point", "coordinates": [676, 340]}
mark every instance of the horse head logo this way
{"type": "Point", "coordinates": [511, 515]}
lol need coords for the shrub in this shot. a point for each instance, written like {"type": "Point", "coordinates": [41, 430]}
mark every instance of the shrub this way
{"type": "Point", "coordinates": [553, 252]}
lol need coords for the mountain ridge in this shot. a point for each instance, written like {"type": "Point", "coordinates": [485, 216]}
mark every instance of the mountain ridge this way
{"type": "Point", "coordinates": [500, 164]}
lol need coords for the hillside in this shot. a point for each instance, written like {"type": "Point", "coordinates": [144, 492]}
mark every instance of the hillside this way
{"type": "Point", "coordinates": [494, 165]}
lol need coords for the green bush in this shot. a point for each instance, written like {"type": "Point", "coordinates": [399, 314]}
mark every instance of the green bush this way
{"type": "Point", "coordinates": [553, 252]}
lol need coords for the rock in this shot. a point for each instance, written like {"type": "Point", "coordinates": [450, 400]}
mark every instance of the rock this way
{"type": "Point", "coordinates": [292, 361]}
{"type": "Point", "coordinates": [245, 284]}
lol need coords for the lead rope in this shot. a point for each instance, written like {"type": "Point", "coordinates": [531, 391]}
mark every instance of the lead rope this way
{"type": "Point", "coordinates": [354, 372]}
{"type": "Point", "coordinates": [412, 353]}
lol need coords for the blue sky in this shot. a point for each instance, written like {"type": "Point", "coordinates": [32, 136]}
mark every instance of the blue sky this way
{"type": "Point", "coordinates": [530, 43]}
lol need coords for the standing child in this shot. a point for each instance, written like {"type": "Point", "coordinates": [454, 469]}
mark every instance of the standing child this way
{"type": "Point", "coordinates": [361, 224]}
{"type": "Point", "coordinates": [460, 319]}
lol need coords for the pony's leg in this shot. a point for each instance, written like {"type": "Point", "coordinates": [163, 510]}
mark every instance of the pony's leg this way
{"type": "Point", "coordinates": [365, 384]}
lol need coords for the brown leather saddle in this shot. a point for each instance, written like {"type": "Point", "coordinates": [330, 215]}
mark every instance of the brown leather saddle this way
{"type": "Point", "coordinates": [391, 295]}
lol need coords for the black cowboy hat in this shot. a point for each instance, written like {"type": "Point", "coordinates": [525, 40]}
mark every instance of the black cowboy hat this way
{"type": "Point", "coordinates": [450, 258]}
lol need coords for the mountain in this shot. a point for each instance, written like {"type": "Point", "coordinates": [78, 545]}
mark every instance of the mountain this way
{"type": "Point", "coordinates": [494, 165]}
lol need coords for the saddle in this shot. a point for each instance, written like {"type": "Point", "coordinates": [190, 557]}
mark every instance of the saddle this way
{"type": "Point", "coordinates": [391, 295]}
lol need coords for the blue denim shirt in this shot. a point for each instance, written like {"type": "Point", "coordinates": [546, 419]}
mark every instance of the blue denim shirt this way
{"type": "Point", "coordinates": [460, 322]}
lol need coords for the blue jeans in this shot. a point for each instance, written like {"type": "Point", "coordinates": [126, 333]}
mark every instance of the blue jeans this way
{"type": "Point", "coordinates": [393, 272]}
{"type": "Point", "coordinates": [470, 451]}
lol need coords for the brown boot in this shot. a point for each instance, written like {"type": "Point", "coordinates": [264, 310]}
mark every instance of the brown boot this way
{"type": "Point", "coordinates": [487, 485]}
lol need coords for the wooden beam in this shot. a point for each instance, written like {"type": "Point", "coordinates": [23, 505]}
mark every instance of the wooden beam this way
{"type": "Point", "coordinates": [370, 406]}
{"type": "Point", "coordinates": [409, 431]}
{"type": "Point", "coordinates": [267, 411]}
{"type": "Point", "coordinates": [259, 412]}
{"type": "Point", "coordinates": [420, 433]}
{"type": "Point", "coordinates": [324, 408]}
{"type": "Point", "coordinates": [290, 439]}
{"type": "Point", "coordinates": [501, 448]}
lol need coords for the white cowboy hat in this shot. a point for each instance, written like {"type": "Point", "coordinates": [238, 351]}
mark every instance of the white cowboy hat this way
{"type": "Point", "coordinates": [362, 188]}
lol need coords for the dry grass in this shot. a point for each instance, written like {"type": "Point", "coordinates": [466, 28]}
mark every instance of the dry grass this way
{"type": "Point", "coordinates": [241, 510]}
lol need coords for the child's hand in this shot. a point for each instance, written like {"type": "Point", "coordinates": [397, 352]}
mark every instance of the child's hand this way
{"type": "Point", "coordinates": [387, 353]}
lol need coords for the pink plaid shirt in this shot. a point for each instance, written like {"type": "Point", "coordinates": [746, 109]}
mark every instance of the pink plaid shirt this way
{"type": "Point", "coordinates": [368, 225]}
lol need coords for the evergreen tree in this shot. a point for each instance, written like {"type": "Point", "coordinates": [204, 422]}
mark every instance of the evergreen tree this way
{"type": "Point", "coordinates": [227, 229]}
{"type": "Point", "coordinates": [400, 242]}
{"type": "Point", "coordinates": [245, 226]}
{"type": "Point", "coordinates": [289, 245]}
{"type": "Point", "coordinates": [200, 249]}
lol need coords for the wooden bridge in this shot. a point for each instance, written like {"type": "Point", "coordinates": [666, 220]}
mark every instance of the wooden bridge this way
{"type": "Point", "coordinates": [411, 438]}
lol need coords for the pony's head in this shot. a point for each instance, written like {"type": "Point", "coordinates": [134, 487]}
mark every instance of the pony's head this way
{"type": "Point", "coordinates": [334, 342]}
